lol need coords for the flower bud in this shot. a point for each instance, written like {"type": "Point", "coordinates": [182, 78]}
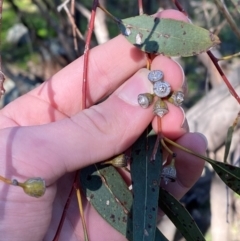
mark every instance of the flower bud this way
{"type": "Point", "coordinates": [34, 187]}
{"type": "Point", "coordinates": [118, 161]}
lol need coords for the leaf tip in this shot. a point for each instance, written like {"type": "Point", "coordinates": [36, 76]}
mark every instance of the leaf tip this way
{"type": "Point", "coordinates": [214, 38]}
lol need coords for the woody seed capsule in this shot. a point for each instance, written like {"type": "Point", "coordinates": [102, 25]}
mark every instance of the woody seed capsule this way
{"type": "Point", "coordinates": [145, 100]}
{"type": "Point", "coordinates": [160, 108]}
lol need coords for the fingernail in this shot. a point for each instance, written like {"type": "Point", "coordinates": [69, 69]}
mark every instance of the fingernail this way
{"type": "Point", "coordinates": [136, 85]}
{"type": "Point", "coordinates": [183, 74]}
{"type": "Point", "coordinates": [184, 125]}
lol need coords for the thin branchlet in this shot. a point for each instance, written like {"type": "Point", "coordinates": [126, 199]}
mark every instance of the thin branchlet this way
{"type": "Point", "coordinates": [214, 60]}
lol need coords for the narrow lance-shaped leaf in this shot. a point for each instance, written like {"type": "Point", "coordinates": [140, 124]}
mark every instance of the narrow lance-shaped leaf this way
{"type": "Point", "coordinates": [167, 36]}
{"type": "Point", "coordinates": [159, 236]}
{"type": "Point", "coordinates": [110, 196]}
{"type": "Point", "coordinates": [228, 143]}
{"type": "Point", "coordinates": [113, 201]}
{"type": "Point", "coordinates": [145, 174]}
{"type": "Point", "coordinates": [228, 173]}
{"type": "Point", "coordinates": [229, 137]}
{"type": "Point", "coordinates": [180, 217]}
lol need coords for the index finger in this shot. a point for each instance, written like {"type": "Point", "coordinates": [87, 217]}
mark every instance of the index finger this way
{"type": "Point", "coordinates": [109, 66]}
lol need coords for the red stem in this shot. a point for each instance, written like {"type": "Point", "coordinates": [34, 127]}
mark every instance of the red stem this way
{"type": "Point", "coordinates": [214, 60]}
{"type": "Point", "coordinates": [226, 81]}
{"type": "Point", "coordinates": [66, 206]}
{"type": "Point", "coordinates": [179, 7]}
{"type": "Point", "coordinates": [86, 53]}
{"type": "Point", "coordinates": [84, 95]}
{"type": "Point", "coordinates": [140, 7]}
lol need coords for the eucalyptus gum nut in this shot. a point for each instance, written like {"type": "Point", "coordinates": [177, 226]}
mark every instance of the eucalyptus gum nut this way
{"type": "Point", "coordinates": [169, 174]}
{"type": "Point", "coordinates": [34, 187]}
{"type": "Point", "coordinates": [145, 100]}
{"type": "Point", "coordinates": [160, 108]}
{"type": "Point", "coordinates": [176, 98]}
{"type": "Point", "coordinates": [167, 36]}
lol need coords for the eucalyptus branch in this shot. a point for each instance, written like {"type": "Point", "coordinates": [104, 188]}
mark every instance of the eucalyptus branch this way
{"type": "Point", "coordinates": [6, 180]}
{"type": "Point", "coordinates": [215, 61]}
{"type": "Point", "coordinates": [229, 56]}
{"type": "Point", "coordinates": [185, 149]}
{"type": "Point", "coordinates": [179, 7]}
{"type": "Point", "coordinates": [225, 79]}
{"type": "Point", "coordinates": [236, 4]}
{"type": "Point", "coordinates": [140, 7]}
{"type": "Point", "coordinates": [71, 19]}
{"type": "Point", "coordinates": [86, 53]}
{"type": "Point", "coordinates": [74, 28]}
{"type": "Point", "coordinates": [230, 20]}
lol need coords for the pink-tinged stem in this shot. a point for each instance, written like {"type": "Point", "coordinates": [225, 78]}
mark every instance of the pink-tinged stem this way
{"type": "Point", "coordinates": [226, 81]}
{"type": "Point", "coordinates": [214, 60]}
{"type": "Point", "coordinates": [179, 7]}
{"type": "Point", "coordinates": [140, 7]}
{"type": "Point", "coordinates": [86, 53]}
{"type": "Point", "coordinates": [66, 206]}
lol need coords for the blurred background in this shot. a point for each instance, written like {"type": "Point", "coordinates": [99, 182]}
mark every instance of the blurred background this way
{"type": "Point", "coordinates": [37, 41]}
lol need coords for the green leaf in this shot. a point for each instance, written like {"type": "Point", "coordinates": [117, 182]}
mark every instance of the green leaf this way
{"type": "Point", "coordinates": [159, 236]}
{"type": "Point", "coordinates": [115, 211]}
{"type": "Point", "coordinates": [145, 174]}
{"type": "Point", "coordinates": [110, 196]}
{"type": "Point", "coordinates": [229, 137]}
{"type": "Point", "coordinates": [228, 142]}
{"type": "Point", "coordinates": [167, 36]}
{"type": "Point", "coordinates": [180, 217]}
{"type": "Point", "coordinates": [228, 173]}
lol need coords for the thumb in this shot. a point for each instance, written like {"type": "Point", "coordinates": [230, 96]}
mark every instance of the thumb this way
{"type": "Point", "coordinates": [92, 135]}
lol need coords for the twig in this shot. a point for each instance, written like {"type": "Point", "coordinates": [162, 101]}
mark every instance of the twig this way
{"type": "Point", "coordinates": [80, 204]}
{"type": "Point", "coordinates": [63, 216]}
{"type": "Point", "coordinates": [140, 7]}
{"type": "Point", "coordinates": [229, 56]}
{"type": "Point", "coordinates": [236, 4]}
{"type": "Point", "coordinates": [231, 89]}
{"type": "Point", "coordinates": [6, 180]}
{"type": "Point", "coordinates": [100, 25]}
{"type": "Point", "coordinates": [215, 61]}
{"type": "Point", "coordinates": [71, 19]}
{"type": "Point", "coordinates": [86, 53]}
{"type": "Point", "coordinates": [74, 29]}
{"type": "Point", "coordinates": [179, 7]}
{"type": "Point", "coordinates": [63, 5]}
{"type": "Point", "coordinates": [223, 9]}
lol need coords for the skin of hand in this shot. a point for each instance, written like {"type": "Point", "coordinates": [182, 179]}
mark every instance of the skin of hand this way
{"type": "Point", "coordinates": [44, 133]}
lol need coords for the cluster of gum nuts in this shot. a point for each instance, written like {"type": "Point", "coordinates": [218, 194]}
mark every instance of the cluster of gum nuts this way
{"type": "Point", "coordinates": [162, 90]}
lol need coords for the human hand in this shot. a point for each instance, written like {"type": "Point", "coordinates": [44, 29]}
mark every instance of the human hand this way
{"type": "Point", "coordinates": [49, 136]}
